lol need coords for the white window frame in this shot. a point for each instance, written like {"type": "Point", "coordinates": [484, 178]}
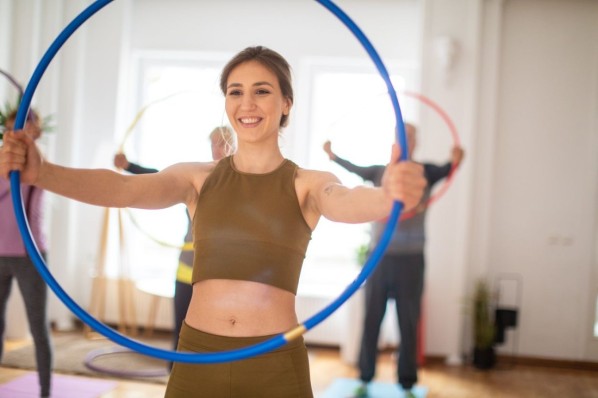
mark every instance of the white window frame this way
{"type": "Point", "coordinates": [327, 268]}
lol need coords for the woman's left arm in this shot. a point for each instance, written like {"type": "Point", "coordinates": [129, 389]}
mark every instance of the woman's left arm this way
{"type": "Point", "coordinates": [402, 181]}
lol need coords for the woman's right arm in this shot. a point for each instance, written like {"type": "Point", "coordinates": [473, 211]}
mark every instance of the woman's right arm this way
{"type": "Point", "coordinates": [101, 187]}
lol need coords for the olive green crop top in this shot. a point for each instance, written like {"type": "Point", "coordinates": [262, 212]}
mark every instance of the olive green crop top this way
{"type": "Point", "coordinates": [250, 227]}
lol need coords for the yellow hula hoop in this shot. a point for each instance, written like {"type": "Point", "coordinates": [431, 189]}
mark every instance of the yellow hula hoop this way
{"type": "Point", "coordinates": [140, 114]}
{"type": "Point", "coordinates": [187, 246]}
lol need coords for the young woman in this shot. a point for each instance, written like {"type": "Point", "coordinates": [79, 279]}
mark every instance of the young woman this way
{"type": "Point", "coordinates": [253, 215]}
{"type": "Point", "coordinates": [16, 264]}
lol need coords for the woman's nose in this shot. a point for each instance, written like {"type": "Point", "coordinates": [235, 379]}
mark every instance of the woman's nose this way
{"type": "Point", "coordinates": [248, 102]}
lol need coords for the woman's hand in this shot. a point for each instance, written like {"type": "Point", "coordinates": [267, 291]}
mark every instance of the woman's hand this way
{"type": "Point", "coordinates": [19, 152]}
{"type": "Point", "coordinates": [328, 149]}
{"type": "Point", "coordinates": [457, 156]}
{"type": "Point", "coordinates": [404, 181]}
{"type": "Point", "coordinates": [121, 161]}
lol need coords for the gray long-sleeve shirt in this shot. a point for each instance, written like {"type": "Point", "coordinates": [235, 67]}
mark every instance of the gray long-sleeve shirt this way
{"type": "Point", "coordinates": [409, 237]}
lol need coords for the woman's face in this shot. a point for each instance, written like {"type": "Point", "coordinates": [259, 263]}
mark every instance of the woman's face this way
{"type": "Point", "coordinates": [254, 102]}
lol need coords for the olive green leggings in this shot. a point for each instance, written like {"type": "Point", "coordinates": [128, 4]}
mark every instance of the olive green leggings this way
{"type": "Point", "coordinates": [281, 373]}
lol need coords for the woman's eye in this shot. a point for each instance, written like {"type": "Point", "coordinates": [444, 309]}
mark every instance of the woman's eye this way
{"type": "Point", "coordinates": [234, 92]}
{"type": "Point", "coordinates": [262, 91]}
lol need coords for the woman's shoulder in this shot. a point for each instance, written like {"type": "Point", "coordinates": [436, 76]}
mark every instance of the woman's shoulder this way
{"type": "Point", "coordinates": [191, 167]}
{"type": "Point", "coordinates": [316, 177]}
{"type": "Point", "coordinates": [190, 172]}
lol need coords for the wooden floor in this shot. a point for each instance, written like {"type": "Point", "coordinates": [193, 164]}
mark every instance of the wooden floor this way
{"type": "Point", "coordinates": [442, 381]}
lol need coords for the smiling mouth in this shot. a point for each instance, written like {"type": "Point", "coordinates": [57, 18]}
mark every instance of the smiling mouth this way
{"type": "Point", "coordinates": [250, 120]}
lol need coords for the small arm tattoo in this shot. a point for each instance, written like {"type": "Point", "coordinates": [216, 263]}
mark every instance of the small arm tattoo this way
{"type": "Point", "coordinates": [328, 189]}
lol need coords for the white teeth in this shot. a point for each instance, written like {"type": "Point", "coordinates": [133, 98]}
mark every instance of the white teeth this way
{"type": "Point", "coordinates": [250, 120]}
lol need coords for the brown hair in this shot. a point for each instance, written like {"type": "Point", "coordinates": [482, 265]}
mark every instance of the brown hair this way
{"type": "Point", "coordinates": [269, 59]}
{"type": "Point", "coordinates": [32, 115]}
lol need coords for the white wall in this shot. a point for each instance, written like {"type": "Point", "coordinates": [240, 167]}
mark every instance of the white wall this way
{"type": "Point", "coordinates": [522, 93]}
{"type": "Point", "coordinates": [544, 193]}
{"type": "Point", "coordinates": [449, 219]}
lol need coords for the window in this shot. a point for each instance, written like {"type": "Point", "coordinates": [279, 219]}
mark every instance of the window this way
{"type": "Point", "coordinates": [183, 104]}
{"type": "Point", "coordinates": [348, 105]}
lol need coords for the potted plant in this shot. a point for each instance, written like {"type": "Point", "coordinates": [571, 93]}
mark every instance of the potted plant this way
{"type": "Point", "coordinates": [484, 356]}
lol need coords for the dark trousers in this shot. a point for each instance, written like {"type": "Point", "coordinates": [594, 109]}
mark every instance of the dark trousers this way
{"type": "Point", "coordinates": [400, 277]}
{"type": "Point", "coordinates": [182, 297]}
{"type": "Point", "coordinates": [35, 293]}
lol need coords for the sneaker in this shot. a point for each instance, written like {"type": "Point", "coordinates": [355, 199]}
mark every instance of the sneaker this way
{"type": "Point", "coordinates": [361, 391]}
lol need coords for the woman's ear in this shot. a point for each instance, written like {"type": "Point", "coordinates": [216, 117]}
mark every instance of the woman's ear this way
{"type": "Point", "coordinates": [287, 106]}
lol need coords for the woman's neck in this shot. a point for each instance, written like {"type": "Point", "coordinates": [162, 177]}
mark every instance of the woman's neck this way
{"type": "Point", "coordinates": [257, 160]}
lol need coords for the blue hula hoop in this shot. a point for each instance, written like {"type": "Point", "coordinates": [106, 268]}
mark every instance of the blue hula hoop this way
{"type": "Point", "coordinates": [225, 356]}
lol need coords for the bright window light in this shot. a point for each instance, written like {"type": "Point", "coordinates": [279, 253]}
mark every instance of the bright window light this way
{"type": "Point", "coordinates": [351, 109]}
{"type": "Point", "coordinates": [185, 105]}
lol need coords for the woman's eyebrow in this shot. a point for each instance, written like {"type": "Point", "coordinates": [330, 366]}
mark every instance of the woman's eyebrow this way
{"type": "Point", "coordinates": [263, 84]}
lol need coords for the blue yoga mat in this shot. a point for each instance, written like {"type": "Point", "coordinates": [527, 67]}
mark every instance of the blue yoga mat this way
{"type": "Point", "coordinates": [345, 388]}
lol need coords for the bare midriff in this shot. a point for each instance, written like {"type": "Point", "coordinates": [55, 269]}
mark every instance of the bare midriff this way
{"type": "Point", "coordinates": [240, 308]}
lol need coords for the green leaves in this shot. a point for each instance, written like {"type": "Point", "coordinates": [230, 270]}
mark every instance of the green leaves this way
{"type": "Point", "coordinates": [9, 110]}
{"type": "Point", "coordinates": [483, 323]}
